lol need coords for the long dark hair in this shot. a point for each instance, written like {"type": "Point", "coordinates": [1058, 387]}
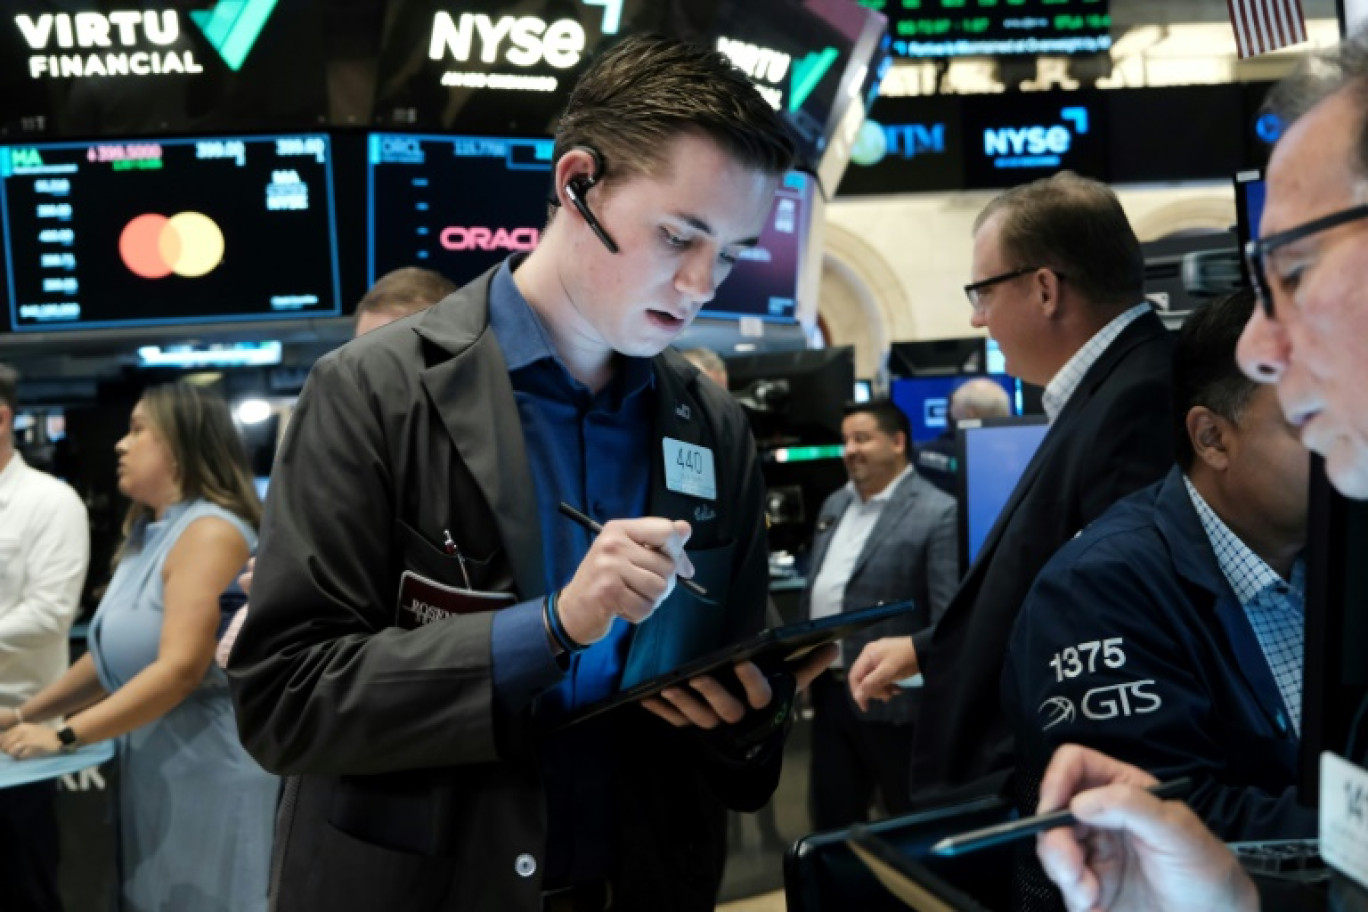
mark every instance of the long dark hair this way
{"type": "Point", "coordinates": [210, 458]}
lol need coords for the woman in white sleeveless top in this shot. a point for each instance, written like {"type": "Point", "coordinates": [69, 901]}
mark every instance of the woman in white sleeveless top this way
{"type": "Point", "coordinates": [194, 810]}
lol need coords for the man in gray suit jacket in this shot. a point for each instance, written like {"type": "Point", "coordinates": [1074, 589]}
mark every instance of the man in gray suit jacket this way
{"type": "Point", "coordinates": [887, 535]}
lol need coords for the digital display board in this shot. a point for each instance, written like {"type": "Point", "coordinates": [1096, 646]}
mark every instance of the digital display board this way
{"type": "Point", "coordinates": [168, 231]}
{"type": "Point", "coordinates": [765, 282]}
{"type": "Point", "coordinates": [456, 204]}
{"type": "Point", "coordinates": [817, 62]}
{"type": "Point", "coordinates": [995, 28]}
{"type": "Point", "coordinates": [92, 67]}
{"type": "Point", "coordinates": [908, 145]}
{"type": "Point", "coordinates": [1010, 140]}
{"type": "Point", "coordinates": [491, 66]}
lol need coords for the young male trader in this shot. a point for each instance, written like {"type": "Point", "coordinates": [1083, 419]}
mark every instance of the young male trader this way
{"type": "Point", "coordinates": [423, 616]}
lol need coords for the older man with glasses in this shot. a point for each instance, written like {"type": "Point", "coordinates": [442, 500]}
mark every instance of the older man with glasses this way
{"type": "Point", "coordinates": [1310, 269]}
{"type": "Point", "coordinates": [1060, 286]}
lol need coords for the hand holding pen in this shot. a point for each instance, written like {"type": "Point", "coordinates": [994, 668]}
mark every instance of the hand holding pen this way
{"type": "Point", "coordinates": [629, 570]}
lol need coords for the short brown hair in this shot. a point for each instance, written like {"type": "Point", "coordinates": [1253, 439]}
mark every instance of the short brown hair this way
{"type": "Point", "coordinates": [1075, 226]}
{"type": "Point", "coordinates": [404, 291]}
{"type": "Point", "coordinates": [647, 90]}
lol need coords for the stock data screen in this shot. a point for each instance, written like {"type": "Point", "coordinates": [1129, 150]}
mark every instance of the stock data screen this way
{"type": "Point", "coordinates": [958, 28]}
{"type": "Point", "coordinates": [156, 232]}
{"type": "Point", "coordinates": [462, 204]}
{"type": "Point", "coordinates": [764, 283]}
{"type": "Point", "coordinates": [456, 204]}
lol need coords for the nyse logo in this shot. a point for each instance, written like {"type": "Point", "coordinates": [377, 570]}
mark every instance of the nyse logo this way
{"type": "Point", "coordinates": [1036, 145]}
{"type": "Point", "coordinates": [1120, 700]}
{"type": "Point", "coordinates": [461, 238]}
{"type": "Point", "coordinates": [529, 40]}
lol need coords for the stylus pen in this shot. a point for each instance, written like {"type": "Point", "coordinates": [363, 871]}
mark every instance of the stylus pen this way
{"type": "Point", "coordinates": [1029, 826]}
{"type": "Point", "coordinates": [596, 528]}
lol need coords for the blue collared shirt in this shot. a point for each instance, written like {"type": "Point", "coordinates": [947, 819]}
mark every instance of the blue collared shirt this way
{"type": "Point", "coordinates": [1276, 607]}
{"type": "Point", "coordinates": [591, 451]}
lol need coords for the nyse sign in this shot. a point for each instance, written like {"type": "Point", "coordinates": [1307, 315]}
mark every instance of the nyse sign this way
{"type": "Point", "coordinates": [1035, 145]}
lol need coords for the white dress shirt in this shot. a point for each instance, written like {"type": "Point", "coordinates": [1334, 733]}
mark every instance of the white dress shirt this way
{"type": "Point", "coordinates": [852, 531]}
{"type": "Point", "coordinates": [44, 552]}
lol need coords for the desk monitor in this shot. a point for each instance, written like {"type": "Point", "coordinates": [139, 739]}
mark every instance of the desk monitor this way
{"type": "Point", "coordinates": [993, 455]}
{"type": "Point", "coordinates": [159, 232]}
{"type": "Point", "coordinates": [926, 401]}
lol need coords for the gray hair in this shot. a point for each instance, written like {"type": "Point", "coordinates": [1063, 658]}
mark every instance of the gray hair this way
{"type": "Point", "coordinates": [1320, 75]}
{"type": "Point", "coordinates": [9, 387]}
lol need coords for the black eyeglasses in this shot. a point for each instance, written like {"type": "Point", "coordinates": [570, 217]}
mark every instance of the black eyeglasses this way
{"type": "Point", "coordinates": [1258, 252]}
{"type": "Point", "coordinates": [974, 290]}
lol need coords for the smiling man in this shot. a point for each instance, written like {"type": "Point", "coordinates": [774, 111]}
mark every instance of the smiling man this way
{"type": "Point", "coordinates": [422, 615]}
{"type": "Point", "coordinates": [888, 535]}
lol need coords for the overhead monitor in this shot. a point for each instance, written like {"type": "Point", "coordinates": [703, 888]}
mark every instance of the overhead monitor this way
{"type": "Point", "coordinates": [93, 67]}
{"type": "Point", "coordinates": [455, 204]}
{"type": "Point", "coordinates": [938, 357]}
{"type": "Point", "coordinates": [996, 28]}
{"type": "Point", "coordinates": [993, 455]}
{"type": "Point", "coordinates": [152, 232]}
{"type": "Point", "coordinates": [794, 397]}
{"type": "Point", "coordinates": [764, 283]}
{"type": "Point", "coordinates": [818, 63]}
{"type": "Point", "coordinates": [494, 66]}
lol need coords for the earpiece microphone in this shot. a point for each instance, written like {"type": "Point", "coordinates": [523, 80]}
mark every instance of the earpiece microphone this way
{"type": "Point", "coordinates": [575, 190]}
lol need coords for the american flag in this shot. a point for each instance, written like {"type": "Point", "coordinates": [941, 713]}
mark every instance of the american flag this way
{"type": "Point", "coordinates": [1266, 25]}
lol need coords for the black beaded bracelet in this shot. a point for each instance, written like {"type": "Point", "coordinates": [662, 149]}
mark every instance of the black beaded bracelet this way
{"type": "Point", "coordinates": [553, 623]}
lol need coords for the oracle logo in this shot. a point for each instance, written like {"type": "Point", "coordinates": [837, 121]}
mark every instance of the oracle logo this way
{"type": "Point", "coordinates": [459, 237]}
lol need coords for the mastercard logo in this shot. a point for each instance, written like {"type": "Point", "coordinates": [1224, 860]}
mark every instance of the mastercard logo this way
{"type": "Point", "coordinates": [189, 244]}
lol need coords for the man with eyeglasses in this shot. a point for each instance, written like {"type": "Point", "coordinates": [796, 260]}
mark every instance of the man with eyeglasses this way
{"type": "Point", "coordinates": [1059, 283]}
{"type": "Point", "coordinates": [1310, 269]}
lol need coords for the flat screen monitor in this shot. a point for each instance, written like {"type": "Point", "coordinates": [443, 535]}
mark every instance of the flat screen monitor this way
{"type": "Point", "coordinates": [491, 66]}
{"type": "Point", "coordinates": [926, 401]}
{"type": "Point", "coordinates": [938, 357]}
{"type": "Point", "coordinates": [764, 283]}
{"type": "Point", "coordinates": [992, 28]}
{"type": "Point", "coordinates": [993, 454]}
{"type": "Point", "coordinates": [817, 62]}
{"type": "Point", "coordinates": [456, 204]}
{"type": "Point", "coordinates": [93, 67]}
{"type": "Point", "coordinates": [794, 397]}
{"type": "Point", "coordinates": [168, 231]}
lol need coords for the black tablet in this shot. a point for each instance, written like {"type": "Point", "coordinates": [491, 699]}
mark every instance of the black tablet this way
{"type": "Point", "coordinates": [906, 878]}
{"type": "Point", "coordinates": [770, 649]}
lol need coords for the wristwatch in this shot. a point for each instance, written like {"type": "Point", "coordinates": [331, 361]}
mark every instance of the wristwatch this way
{"type": "Point", "coordinates": [68, 738]}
